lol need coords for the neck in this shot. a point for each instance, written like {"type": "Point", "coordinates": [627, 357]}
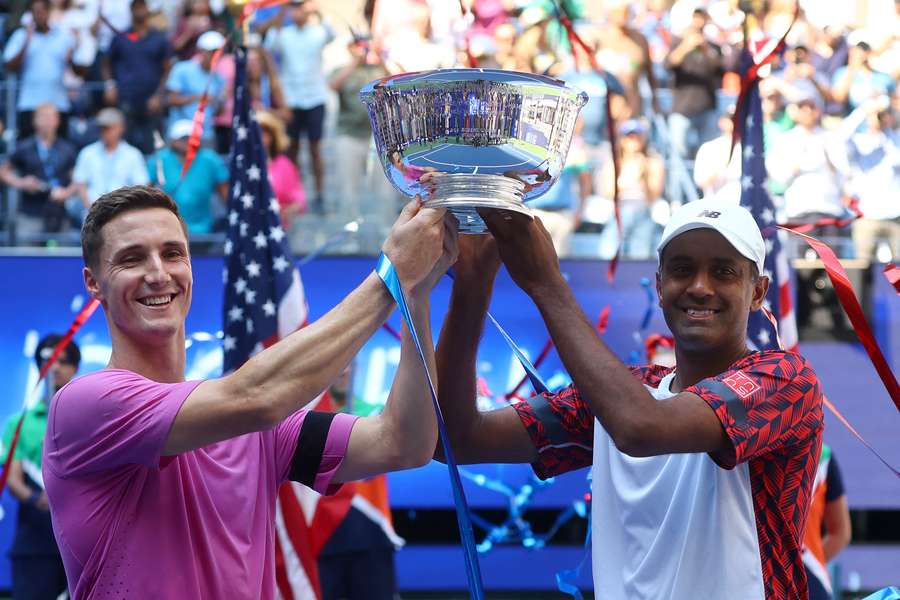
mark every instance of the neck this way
{"type": "Point", "coordinates": [140, 28]}
{"type": "Point", "coordinates": [47, 137]}
{"type": "Point", "coordinates": [111, 145]}
{"type": "Point", "coordinates": [42, 28]}
{"type": "Point", "coordinates": [693, 367]}
{"type": "Point", "coordinates": [160, 361]}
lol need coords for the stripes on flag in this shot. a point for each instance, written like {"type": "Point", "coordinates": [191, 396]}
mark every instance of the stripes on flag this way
{"type": "Point", "coordinates": [755, 197]}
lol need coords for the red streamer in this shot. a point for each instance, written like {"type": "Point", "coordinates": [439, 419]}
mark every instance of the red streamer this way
{"type": "Point", "coordinates": [892, 274]}
{"type": "Point", "coordinates": [80, 319]}
{"type": "Point", "coordinates": [853, 430]}
{"type": "Point", "coordinates": [749, 77]}
{"type": "Point", "coordinates": [847, 298]}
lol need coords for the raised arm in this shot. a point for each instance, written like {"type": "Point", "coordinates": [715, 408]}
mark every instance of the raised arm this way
{"type": "Point", "coordinates": [496, 436]}
{"type": "Point", "coordinates": [403, 435]}
{"type": "Point", "coordinates": [638, 424]}
{"type": "Point", "coordinates": [285, 377]}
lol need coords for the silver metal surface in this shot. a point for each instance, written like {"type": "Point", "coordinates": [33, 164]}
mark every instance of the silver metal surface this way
{"type": "Point", "coordinates": [472, 138]}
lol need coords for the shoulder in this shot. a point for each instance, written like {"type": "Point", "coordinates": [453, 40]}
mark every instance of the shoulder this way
{"type": "Point", "coordinates": [98, 381]}
{"type": "Point", "coordinates": [780, 362]}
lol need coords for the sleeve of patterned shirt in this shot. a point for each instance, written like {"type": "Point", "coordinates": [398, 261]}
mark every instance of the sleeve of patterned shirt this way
{"type": "Point", "coordinates": [561, 427]}
{"type": "Point", "coordinates": [767, 402]}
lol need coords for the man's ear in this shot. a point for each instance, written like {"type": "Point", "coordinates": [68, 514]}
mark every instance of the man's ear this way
{"type": "Point", "coordinates": [658, 290]}
{"type": "Point", "coordinates": [760, 288]}
{"type": "Point", "coordinates": [91, 284]}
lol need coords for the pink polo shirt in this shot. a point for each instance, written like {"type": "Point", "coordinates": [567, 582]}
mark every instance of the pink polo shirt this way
{"type": "Point", "coordinates": [131, 524]}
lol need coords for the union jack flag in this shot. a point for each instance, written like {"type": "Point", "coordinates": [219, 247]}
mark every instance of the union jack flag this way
{"type": "Point", "coordinates": [755, 197]}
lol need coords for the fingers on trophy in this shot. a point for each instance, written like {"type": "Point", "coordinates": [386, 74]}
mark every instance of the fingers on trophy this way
{"type": "Point", "coordinates": [471, 140]}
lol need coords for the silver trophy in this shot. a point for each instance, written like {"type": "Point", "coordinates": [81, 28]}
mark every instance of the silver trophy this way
{"type": "Point", "coordinates": [472, 138]}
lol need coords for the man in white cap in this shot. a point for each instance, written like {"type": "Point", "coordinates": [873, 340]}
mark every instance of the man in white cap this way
{"type": "Point", "coordinates": [188, 80]}
{"type": "Point", "coordinates": [702, 473]}
{"type": "Point", "coordinates": [195, 192]}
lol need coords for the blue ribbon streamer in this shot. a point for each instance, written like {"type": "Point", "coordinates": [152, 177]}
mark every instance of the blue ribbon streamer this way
{"type": "Point", "coordinates": [539, 385]}
{"type": "Point", "coordinates": [388, 275]}
{"type": "Point", "coordinates": [566, 580]}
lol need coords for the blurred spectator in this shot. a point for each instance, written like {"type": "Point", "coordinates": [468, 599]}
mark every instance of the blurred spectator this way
{"type": "Point", "coordinates": [283, 174]}
{"type": "Point", "coordinates": [105, 165]}
{"type": "Point", "coordinates": [354, 134]}
{"type": "Point", "coordinates": [697, 69]}
{"type": "Point", "coordinates": [828, 527]}
{"type": "Point", "coordinates": [37, 568]}
{"type": "Point", "coordinates": [196, 21]}
{"type": "Point", "coordinates": [873, 157]}
{"type": "Point", "coordinates": [135, 70]}
{"type": "Point", "coordinates": [858, 81]}
{"type": "Point", "coordinates": [805, 160]}
{"type": "Point", "coordinates": [298, 46]}
{"type": "Point", "coordinates": [799, 77]}
{"type": "Point", "coordinates": [195, 192]}
{"type": "Point", "coordinates": [561, 209]}
{"type": "Point", "coordinates": [412, 49]}
{"type": "Point", "coordinates": [828, 57]}
{"type": "Point", "coordinates": [641, 179]}
{"type": "Point", "coordinates": [625, 53]}
{"type": "Point", "coordinates": [716, 175]}
{"type": "Point", "coordinates": [264, 86]}
{"type": "Point", "coordinates": [41, 167]}
{"type": "Point", "coordinates": [76, 17]}
{"type": "Point", "coordinates": [189, 79]}
{"type": "Point", "coordinates": [357, 561]}
{"type": "Point", "coordinates": [113, 17]}
{"type": "Point", "coordinates": [40, 54]}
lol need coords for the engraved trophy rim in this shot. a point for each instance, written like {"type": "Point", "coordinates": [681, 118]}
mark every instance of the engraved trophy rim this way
{"type": "Point", "coordinates": [472, 138]}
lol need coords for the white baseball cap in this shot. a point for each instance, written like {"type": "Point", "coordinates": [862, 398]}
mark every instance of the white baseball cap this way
{"type": "Point", "coordinates": [733, 221]}
{"type": "Point", "coordinates": [181, 128]}
{"type": "Point", "coordinates": [210, 41]}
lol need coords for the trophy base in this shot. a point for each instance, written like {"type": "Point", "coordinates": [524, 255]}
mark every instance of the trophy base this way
{"type": "Point", "coordinates": [464, 194]}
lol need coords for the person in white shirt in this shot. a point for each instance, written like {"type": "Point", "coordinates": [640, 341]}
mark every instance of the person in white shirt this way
{"type": "Point", "coordinates": [714, 174]}
{"type": "Point", "coordinates": [106, 165]}
{"type": "Point", "coordinates": [298, 47]}
{"type": "Point", "coordinates": [806, 161]}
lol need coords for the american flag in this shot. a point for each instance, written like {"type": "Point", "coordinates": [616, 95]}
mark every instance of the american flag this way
{"type": "Point", "coordinates": [755, 197]}
{"type": "Point", "coordinates": [264, 302]}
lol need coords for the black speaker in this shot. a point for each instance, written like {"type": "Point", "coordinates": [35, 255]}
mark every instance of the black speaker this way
{"type": "Point", "coordinates": [820, 316]}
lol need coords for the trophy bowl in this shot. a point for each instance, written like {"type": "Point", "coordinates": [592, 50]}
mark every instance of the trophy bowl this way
{"type": "Point", "coordinates": [472, 138]}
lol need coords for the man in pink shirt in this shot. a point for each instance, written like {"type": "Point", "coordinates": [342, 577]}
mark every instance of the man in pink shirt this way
{"type": "Point", "coordinates": [165, 488]}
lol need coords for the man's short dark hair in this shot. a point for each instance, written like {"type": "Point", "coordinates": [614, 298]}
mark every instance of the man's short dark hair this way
{"type": "Point", "coordinates": [112, 204]}
{"type": "Point", "coordinates": [71, 354]}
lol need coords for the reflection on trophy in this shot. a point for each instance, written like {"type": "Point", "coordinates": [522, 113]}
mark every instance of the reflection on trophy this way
{"type": "Point", "coordinates": [472, 138]}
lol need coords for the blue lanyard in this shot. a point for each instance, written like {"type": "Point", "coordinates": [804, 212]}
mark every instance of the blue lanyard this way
{"type": "Point", "coordinates": [388, 275]}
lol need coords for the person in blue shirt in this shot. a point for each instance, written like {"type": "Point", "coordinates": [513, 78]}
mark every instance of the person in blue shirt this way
{"type": "Point", "coordinates": [195, 192]}
{"type": "Point", "coordinates": [190, 78]}
{"type": "Point", "coordinates": [858, 81]}
{"type": "Point", "coordinates": [39, 54]}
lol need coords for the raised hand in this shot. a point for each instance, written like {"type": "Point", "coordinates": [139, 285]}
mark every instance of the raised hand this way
{"type": "Point", "coordinates": [525, 247]}
{"type": "Point", "coordinates": [415, 245]}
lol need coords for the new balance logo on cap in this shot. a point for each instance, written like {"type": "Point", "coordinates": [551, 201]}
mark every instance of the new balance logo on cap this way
{"type": "Point", "coordinates": [711, 214]}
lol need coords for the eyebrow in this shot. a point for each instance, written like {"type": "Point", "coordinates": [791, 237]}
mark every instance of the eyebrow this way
{"type": "Point", "coordinates": [140, 247]}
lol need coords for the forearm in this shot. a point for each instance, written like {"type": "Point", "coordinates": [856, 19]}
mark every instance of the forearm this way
{"type": "Point", "coordinates": [16, 482]}
{"type": "Point", "coordinates": [457, 353]}
{"type": "Point", "coordinates": [408, 421]}
{"type": "Point", "coordinates": [288, 375]}
{"type": "Point", "coordinates": [615, 397]}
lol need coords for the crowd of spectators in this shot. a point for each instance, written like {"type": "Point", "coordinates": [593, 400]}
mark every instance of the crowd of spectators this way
{"type": "Point", "coordinates": [105, 91]}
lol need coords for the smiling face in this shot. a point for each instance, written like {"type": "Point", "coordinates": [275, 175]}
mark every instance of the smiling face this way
{"type": "Point", "coordinates": [143, 275]}
{"type": "Point", "coordinates": [706, 290]}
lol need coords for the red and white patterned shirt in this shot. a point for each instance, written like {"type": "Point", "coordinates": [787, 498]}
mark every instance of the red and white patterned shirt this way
{"type": "Point", "coordinates": [661, 517]}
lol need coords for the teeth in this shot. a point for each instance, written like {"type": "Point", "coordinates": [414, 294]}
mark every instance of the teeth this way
{"type": "Point", "coordinates": [699, 313]}
{"type": "Point", "coordinates": [157, 300]}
